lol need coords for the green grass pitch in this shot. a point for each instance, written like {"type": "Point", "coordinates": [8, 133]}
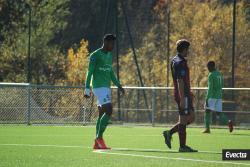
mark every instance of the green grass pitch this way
{"type": "Point", "coordinates": [62, 146]}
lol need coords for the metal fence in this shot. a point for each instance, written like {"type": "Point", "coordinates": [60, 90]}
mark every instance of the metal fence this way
{"type": "Point", "coordinates": [162, 108]}
{"type": "Point", "coordinates": [40, 104]}
{"type": "Point", "coordinates": [33, 104]}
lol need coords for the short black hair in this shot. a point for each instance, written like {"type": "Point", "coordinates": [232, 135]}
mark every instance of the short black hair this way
{"type": "Point", "coordinates": [182, 44]}
{"type": "Point", "coordinates": [211, 64]}
{"type": "Point", "coordinates": [109, 37]}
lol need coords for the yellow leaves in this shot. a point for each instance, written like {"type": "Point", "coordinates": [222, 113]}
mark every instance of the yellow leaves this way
{"type": "Point", "coordinates": [77, 64]}
{"type": "Point", "coordinates": [209, 28]}
{"type": "Point", "coordinates": [83, 50]}
{"type": "Point", "coordinates": [208, 25]}
{"type": "Point", "coordinates": [71, 55]}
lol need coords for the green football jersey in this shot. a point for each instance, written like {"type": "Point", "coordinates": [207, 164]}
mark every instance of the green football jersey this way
{"type": "Point", "coordinates": [100, 72]}
{"type": "Point", "coordinates": [215, 85]}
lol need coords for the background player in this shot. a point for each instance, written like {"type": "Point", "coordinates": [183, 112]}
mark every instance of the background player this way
{"type": "Point", "coordinates": [101, 72]}
{"type": "Point", "coordinates": [214, 97]}
{"type": "Point", "coordinates": [183, 96]}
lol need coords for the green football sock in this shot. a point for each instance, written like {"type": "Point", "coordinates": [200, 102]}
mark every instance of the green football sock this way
{"type": "Point", "coordinates": [97, 125]}
{"type": "Point", "coordinates": [223, 118]}
{"type": "Point", "coordinates": [102, 125]}
{"type": "Point", "coordinates": [207, 119]}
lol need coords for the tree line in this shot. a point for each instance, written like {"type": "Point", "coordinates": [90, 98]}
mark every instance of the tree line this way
{"type": "Point", "coordinates": [64, 32]}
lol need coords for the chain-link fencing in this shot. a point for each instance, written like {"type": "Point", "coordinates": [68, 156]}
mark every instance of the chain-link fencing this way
{"type": "Point", "coordinates": [162, 108]}
{"type": "Point", "coordinates": [32, 104]}
{"type": "Point", "coordinates": [39, 104]}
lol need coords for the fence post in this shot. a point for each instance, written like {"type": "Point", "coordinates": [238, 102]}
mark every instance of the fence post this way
{"type": "Point", "coordinates": [137, 104]}
{"type": "Point", "coordinates": [29, 105]}
{"type": "Point", "coordinates": [153, 107]}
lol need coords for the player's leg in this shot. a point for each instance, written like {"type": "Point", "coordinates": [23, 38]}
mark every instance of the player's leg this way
{"type": "Point", "coordinates": [182, 130]}
{"type": "Point", "coordinates": [184, 120]}
{"type": "Point", "coordinates": [179, 127]}
{"type": "Point", "coordinates": [222, 116]}
{"type": "Point", "coordinates": [96, 145]}
{"type": "Point", "coordinates": [99, 118]}
{"type": "Point", "coordinates": [103, 96]}
{"type": "Point", "coordinates": [186, 117]}
{"type": "Point", "coordinates": [168, 133]}
{"type": "Point", "coordinates": [107, 109]}
{"type": "Point", "coordinates": [230, 126]}
{"type": "Point", "coordinates": [217, 108]}
{"type": "Point", "coordinates": [207, 120]}
{"type": "Point", "coordinates": [209, 108]}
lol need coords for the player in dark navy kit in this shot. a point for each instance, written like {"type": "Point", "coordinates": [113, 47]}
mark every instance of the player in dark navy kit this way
{"type": "Point", "coordinates": [183, 96]}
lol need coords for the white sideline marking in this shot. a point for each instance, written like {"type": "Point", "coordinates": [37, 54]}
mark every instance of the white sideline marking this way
{"type": "Point", "coordinates": [115, 149]}
{"type": "Point", "coordinates": [153, 135]}
{"type": "Point", "coordinates": [132, 155]}
{"type": "Point", "coordinates": [169, 158]}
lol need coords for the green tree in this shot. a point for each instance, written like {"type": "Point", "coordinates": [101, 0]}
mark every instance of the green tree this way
{"type": "Point", "coordinates": [48, 18]}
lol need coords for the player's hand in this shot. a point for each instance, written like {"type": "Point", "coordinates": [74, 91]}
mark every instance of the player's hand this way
{"type": "Point", "coordinates": [122, 90]}
{"type": "Point", "coordinates": [205, 105]}
{"type": "Point", "coordinates": [87, 93]}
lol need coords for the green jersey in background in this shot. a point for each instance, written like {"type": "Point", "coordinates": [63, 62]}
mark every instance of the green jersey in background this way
{"type": "Point", "coordinates": [215, 85]}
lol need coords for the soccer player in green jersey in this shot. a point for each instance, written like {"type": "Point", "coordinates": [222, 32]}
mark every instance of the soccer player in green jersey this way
{"type": "Point", "coordinates": [99, 76]}
{"type": "Point", "coordinates": [214, 96]}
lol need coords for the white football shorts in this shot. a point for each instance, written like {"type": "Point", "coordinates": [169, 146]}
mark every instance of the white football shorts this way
{"type": "Point", "coordinates": [214, 105]}
{"type": "Point", "coordinates": [103, 95]}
